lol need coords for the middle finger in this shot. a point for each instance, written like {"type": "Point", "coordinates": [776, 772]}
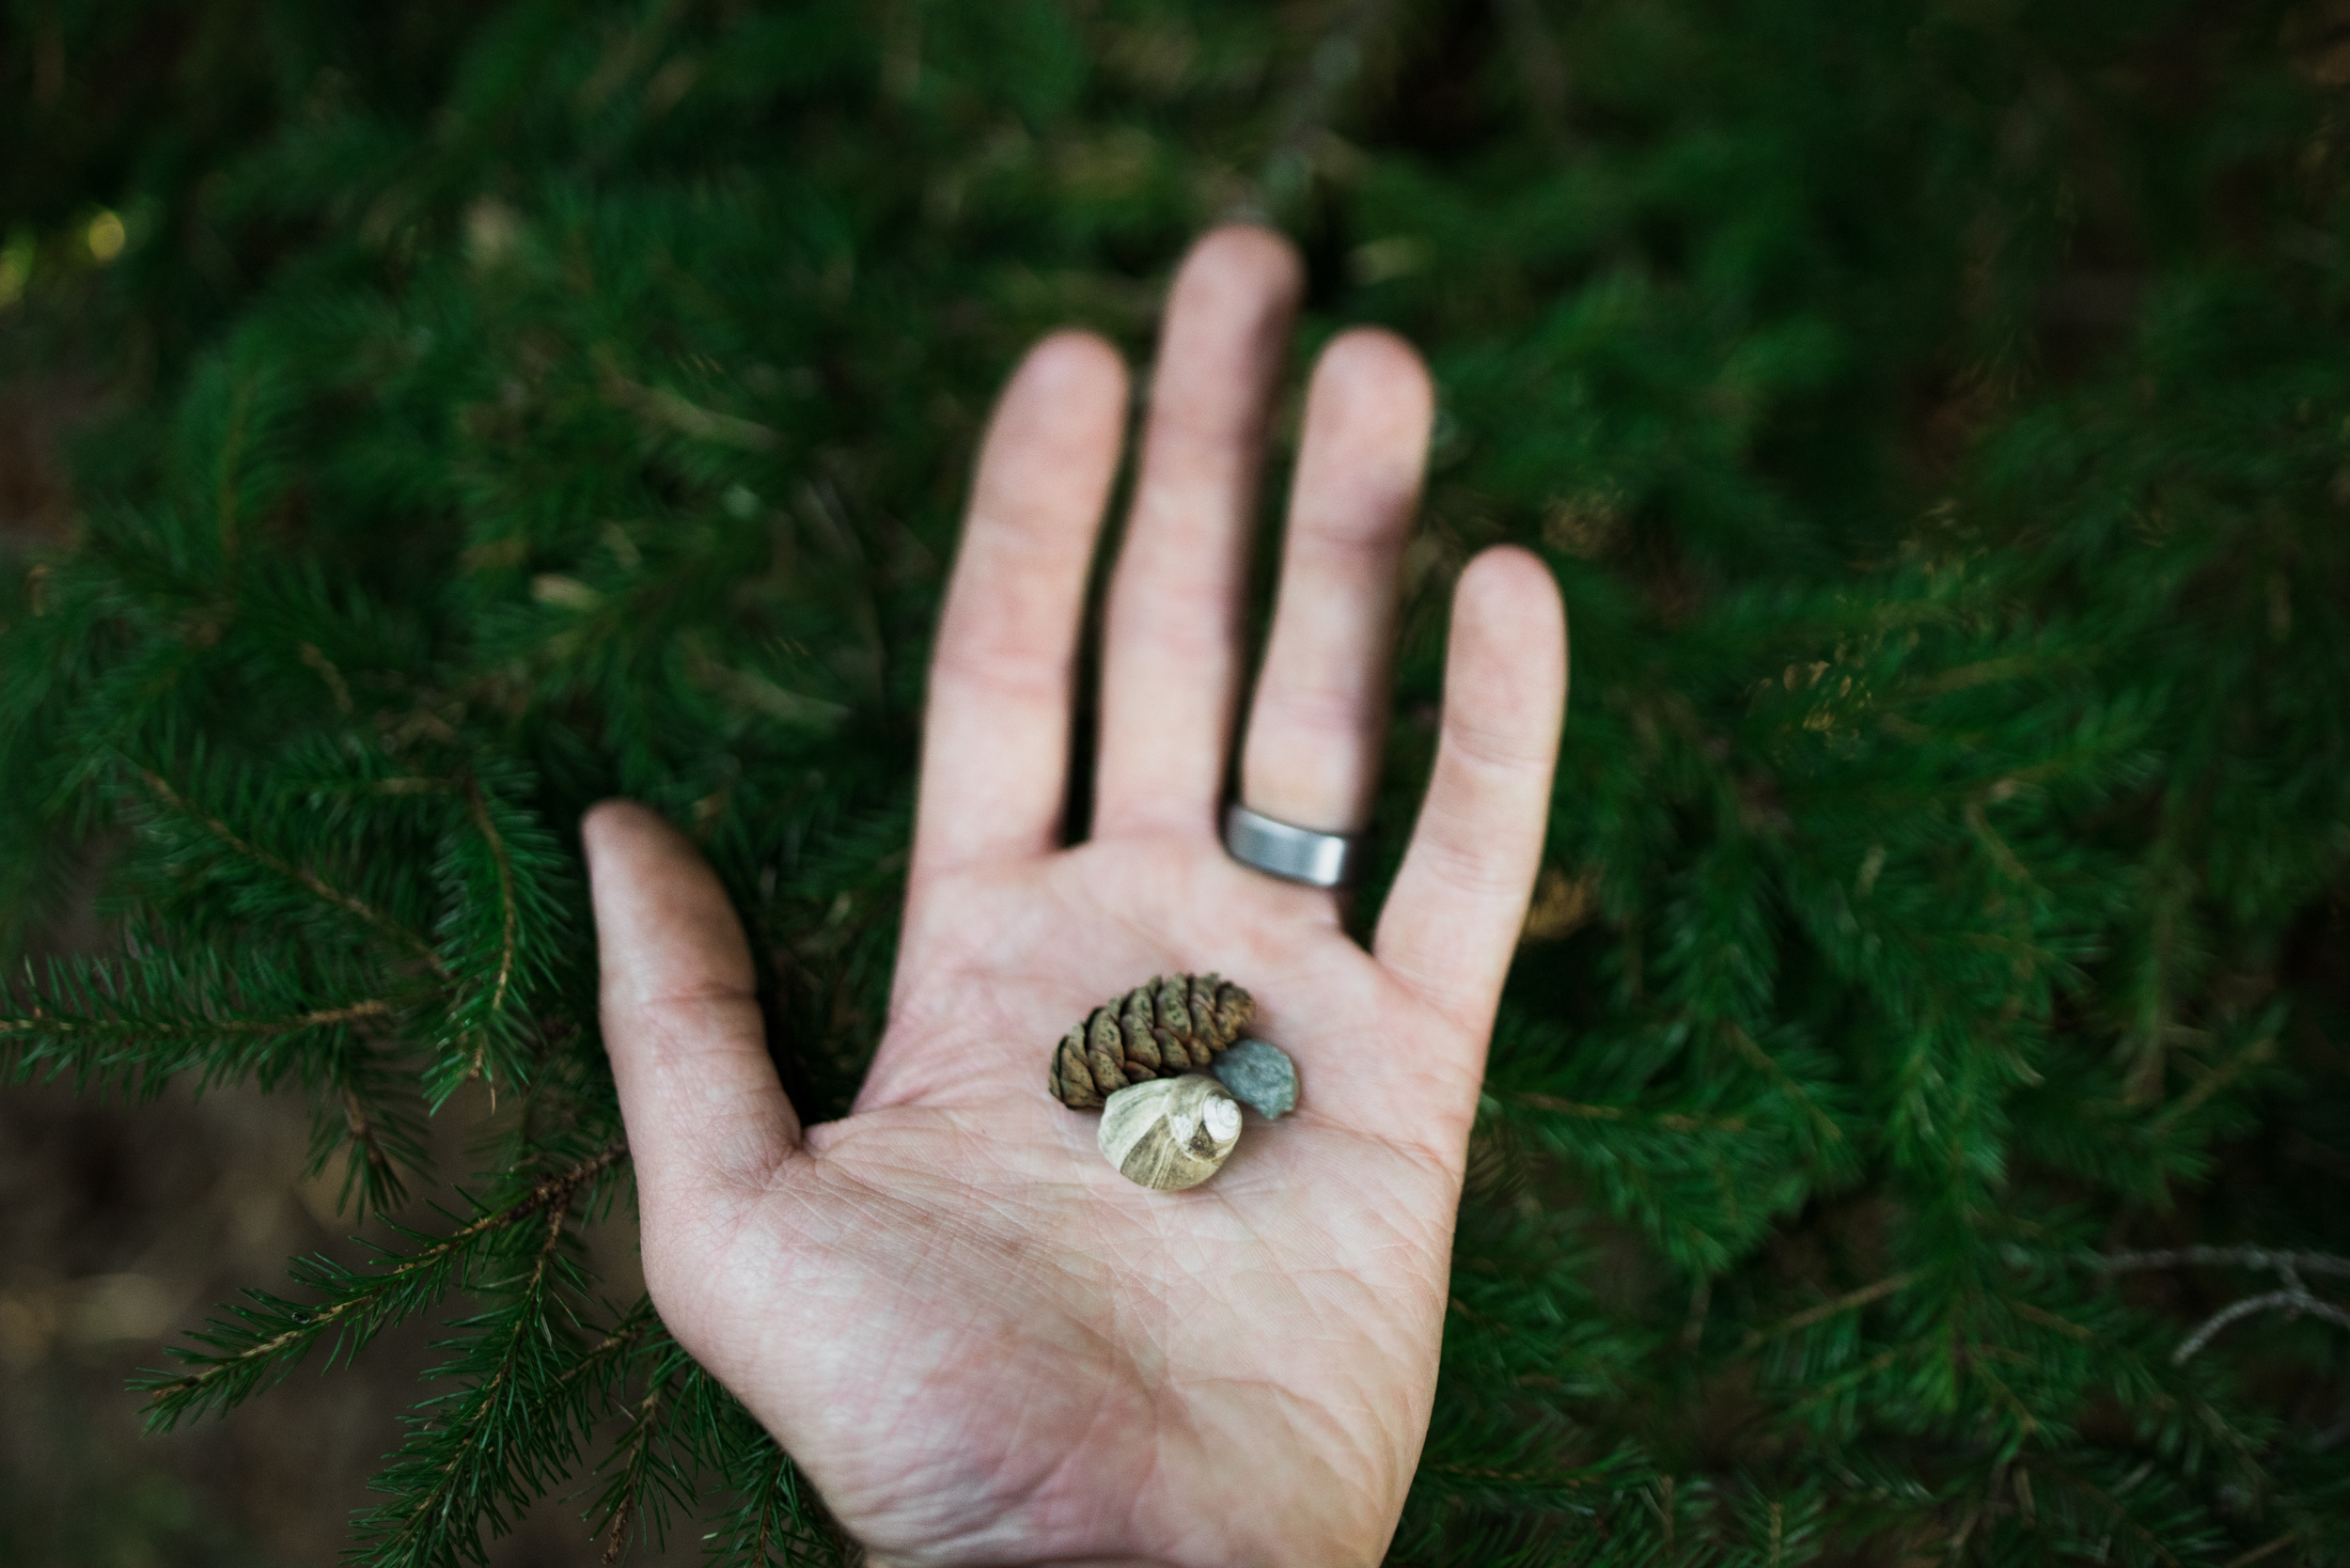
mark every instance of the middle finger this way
{"type": "Point", "coordinates": [1170, 656]}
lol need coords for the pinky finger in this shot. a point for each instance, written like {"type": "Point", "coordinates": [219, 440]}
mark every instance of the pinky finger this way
{"type": "Point", "coordinates": [1452, 919]}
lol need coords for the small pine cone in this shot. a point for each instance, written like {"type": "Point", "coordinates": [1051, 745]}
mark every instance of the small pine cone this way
{"type": "Point", "coordinates": [1174, 1025]}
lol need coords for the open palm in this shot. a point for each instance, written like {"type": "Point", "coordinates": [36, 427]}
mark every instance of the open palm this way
{"type": "Point", "coordinates": [984, 1344]}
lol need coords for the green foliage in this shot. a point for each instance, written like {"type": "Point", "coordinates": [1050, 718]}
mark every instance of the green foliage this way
{"type": "Point", "coordinates": [1938, 417]}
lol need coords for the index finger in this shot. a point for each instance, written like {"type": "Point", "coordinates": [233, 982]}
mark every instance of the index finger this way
{"type": "Point", "coordinates": [995, 732]}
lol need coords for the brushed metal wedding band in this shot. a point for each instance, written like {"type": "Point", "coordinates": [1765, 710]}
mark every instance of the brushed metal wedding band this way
{"type": "Point", "coordinates": [1292, 853]}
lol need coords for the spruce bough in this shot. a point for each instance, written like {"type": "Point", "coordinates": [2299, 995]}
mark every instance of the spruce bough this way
{"type": "Point", "coordinates": [1936, 423]}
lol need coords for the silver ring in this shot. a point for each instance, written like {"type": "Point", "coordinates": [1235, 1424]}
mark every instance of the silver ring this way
{"type": "Point", "coordinates": [1292, 853]}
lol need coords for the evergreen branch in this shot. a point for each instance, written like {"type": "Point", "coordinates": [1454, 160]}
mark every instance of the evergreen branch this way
{"type": "Point", "coordinates": [1473, 1315]}
{"type": "Point", "coordinates": [2046, 1319]}
{"type": "Point", "coordinates": [231, 453]}
{"type": "Point", "coordinates": [635, 1324]}
{"type": "Point", "coordinates": [660, 407]}
{"type": "Point", "coordinates": [162, 1017]}
{"type": "Point", "coordinates": [1670, 1121]}
{"type": "Point", "coordinates": [1957, 1541]}
{"type": "Point", "coordinates": [2007, 1396]}
{"type": "Point", "coordinates": [471, 1469]}
{"type": "Point", "coordinates": [757, 693]}
{"type": "Point", "coordinates": [2251, 1055]}
{"type": "Point", "coordinates": [638, 1493]}
{"type": "Point", "coordinates": [504, 932]}
{"type": "Point", "coordinates": [2007, 668]}
{"type": "Point", "coordinates": [556, 1191]}
{"type": "Point", "coordinates": [507, 916]}
{"type": "Point", "coordinates": [1821, 1394]}
{"type": "Point", "coordinates": [337, 687]}
{"type": "Point", "coordinates": [777, 1478]}
{"type": "Point", "coordinates": [374, 1007]}
{"type": "Point", "coordinates": [1764, 1062]}
{"type": "Point", "coordinates": [628, 1486]}
{"type": "Point", "coordinates": [302, 875]}
{"type": "Point", "coordinates": [374, 1169]}
{"type": "Point", "coordinates": [1978, 821]}
{"type": "Point", "coordinates": [1520, 1463]}
{"type": "Point", "coordinates": [2109, 1502]}
{"type": "Point", "coordinates": [277, 1334]}
{"type": "Point", "coordinates": [770, 1514]}
{"type": "Point", "coordinates": [2261, 1553]}
{"type": "Point", "coordinates": [1547, 1480]}
{"type": "Point", "coordinates": [1849, 1301]}
{"type": "Point", "coordinates": [143, 1024]}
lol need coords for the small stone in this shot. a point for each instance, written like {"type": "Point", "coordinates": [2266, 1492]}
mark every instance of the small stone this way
{"type": "Point", "coordinates": [1261, 1077]}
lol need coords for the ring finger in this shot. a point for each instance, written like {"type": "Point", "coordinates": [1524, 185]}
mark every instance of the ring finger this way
{"type": "Point", "coordinates": [1315, 729]}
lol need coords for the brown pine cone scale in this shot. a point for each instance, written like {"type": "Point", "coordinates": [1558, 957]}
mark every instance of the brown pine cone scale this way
{"type": "Point", "coordinates": [1176, 1024]}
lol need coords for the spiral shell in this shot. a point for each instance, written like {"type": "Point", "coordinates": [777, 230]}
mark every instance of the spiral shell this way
{"type": "Point", "coordinates": [1170, 1133]}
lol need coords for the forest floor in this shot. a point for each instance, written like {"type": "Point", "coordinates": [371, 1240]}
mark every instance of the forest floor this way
{"type": "Point", "coordinates": [121, 1228]}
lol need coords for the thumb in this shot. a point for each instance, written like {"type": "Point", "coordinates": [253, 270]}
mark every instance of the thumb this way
{"type": "Point", "coordinates": [706, 1121]}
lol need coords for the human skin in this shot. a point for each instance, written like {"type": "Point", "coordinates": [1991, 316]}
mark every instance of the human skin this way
{"type": "Point", "coordinates": [982, 1344]}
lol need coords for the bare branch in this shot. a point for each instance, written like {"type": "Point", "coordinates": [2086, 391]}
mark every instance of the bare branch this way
{"type": "Point", "coordinates": [2219, 1257]}
{"type": "Point", "coordinates": [2296, 1301]}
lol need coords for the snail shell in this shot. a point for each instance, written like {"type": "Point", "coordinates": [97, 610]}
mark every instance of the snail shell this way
{"type": "Point", "coordinates": [1170, 1133]}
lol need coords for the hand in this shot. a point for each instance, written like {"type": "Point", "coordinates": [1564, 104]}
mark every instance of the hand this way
{"type": "Point", "coordinates": [981, 1342]}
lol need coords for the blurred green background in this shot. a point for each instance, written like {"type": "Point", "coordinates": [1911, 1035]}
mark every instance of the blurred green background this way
{"type": "Point", "coordinates": [1937, 416]}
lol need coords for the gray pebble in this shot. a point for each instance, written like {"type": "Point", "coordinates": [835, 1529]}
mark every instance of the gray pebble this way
{"type": "Point", "coordinates": [1261, 1077]}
